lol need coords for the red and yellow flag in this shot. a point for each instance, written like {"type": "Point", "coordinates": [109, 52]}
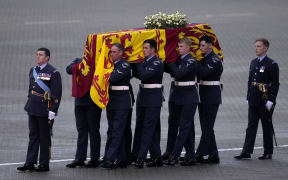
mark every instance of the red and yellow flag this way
{"type": "Point", "coordinates": [82, 73]}
{"type": "Point", "coordinates": [132, 42]}
{"type": "Point", "coordinates": [193, 32]}
{"type": "Point", "coordinates": [94, 71]}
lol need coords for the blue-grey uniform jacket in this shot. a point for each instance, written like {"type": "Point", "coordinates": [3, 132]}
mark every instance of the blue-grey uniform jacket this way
{"type": "Point", "coordinates": [210, 69]}
{"type": "Point", "coordinates": [121, 75]}
{"type": "Point", "coordinates": [183, 71]}
{"type": "Point", "coordinates": [150, 72]}
{"type": "Point", "coordinates": [266, 71]}
{"type": "Point", "coordinates": [36, 105]}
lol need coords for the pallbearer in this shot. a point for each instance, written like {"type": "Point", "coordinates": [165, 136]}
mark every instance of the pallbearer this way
{"type": "Point", "coordinates": [148, 105]}
{"type": "Point", "coordinates": [209, 74]}
{"type": "Point", "coordinates": [183, 102]}
{"type": "Point", "coordinates": [118, 111]}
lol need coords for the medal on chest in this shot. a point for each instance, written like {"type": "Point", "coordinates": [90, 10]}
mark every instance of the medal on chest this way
{"type": "Point", "coordinates": [44, 76]}
{"type": "Point", "coordinates": [262, 68]}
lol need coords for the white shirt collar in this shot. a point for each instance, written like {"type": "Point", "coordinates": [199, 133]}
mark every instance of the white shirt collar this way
{"type": "Point", "coordinates": [42, 66]}
{"type": "Point", "coordinates": [115, 62]}
{"type": "Point", "coordinates": [262, 57]}
{"type": "Point", "coordinates": [150, 58]}
{"type": "Point", "coordinates": [208, 53]}
{"type": "Point", "coordinates": [183, 56]}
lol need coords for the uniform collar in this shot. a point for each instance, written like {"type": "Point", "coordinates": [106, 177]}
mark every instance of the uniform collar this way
{"type": "Point", "coordinates": [208, 53]}
{"type": "Point", "coordinates": [115, 62]}
{"type": "Point", "coordinates": [261, 58]}
{"type": "Point", "coordinates": [183, 56]}
{"type": "Point", "coordinates": [148, 59]}
{"type": "Point", "coordinates": [43, 66]}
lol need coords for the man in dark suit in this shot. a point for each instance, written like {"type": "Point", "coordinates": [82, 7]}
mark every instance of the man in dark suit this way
{"type": "Point", "coordinates": [44, 96]}
{"type": "Point", "coordinates": [87, 115]}
{"type": "Point", "coordinates": [118, 110]}
{"type": "Point", "coordinates": [263, 86]}
{"type": "Point", "coordinates": [148, 105]}
{"type": "Point", "coordinates": [184, 99]}
{"type": "Point", "coordinates": [209, 74]}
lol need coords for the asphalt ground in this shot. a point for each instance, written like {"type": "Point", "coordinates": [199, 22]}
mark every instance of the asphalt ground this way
{"type": "Point", "coordinates": [63, 25]}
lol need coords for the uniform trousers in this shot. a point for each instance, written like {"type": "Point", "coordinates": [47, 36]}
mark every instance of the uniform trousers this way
{"type": "Point", "coordinates": [185, 117]}
{"type": "Point", "coordinates": [39, 135]}
{"type": "Point", "coordinates": [173, 123]}
{"type": "Point", "coordinates": [207, 114]}
{"type": "Point", "coordinates": [116, 136]}
{"type": "Point", "coordinates": [149, 119]}
{"type": "Point", "coordinates": [128, 134]}
{"type": "Point", "coordinates": [254, 114]}
{"type": "Point", "coordinates": [88, 124]}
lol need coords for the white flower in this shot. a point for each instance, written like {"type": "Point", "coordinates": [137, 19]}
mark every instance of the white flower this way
{"type": "Point", "coordinates": [163, 20]}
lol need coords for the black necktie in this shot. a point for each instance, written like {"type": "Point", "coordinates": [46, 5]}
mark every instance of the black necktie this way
{"type": "Point", "coordinates": [37, 69]}
{"type": "Point", "coordinates": [258, 62]}
{"type": "Point", "coordinates": [145, 63]}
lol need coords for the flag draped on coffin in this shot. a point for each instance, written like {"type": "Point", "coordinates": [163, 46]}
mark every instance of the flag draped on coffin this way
{"type": "Point", "coordinates": [93, 73]}
{"type": "Point", "coordinates": [82, 73]}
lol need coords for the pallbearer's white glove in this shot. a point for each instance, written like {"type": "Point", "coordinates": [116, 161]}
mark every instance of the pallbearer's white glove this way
{"type": "Point", "coordinates": [269, 105]}
{"type": "Point", "coordinates": [51, 115]}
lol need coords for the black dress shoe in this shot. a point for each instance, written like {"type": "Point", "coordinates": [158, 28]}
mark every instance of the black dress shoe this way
{"type": "Point", "coordinates": [120, 164]}
{"type": "Point", "coordinates": [166, 156]}
{"type": "Point", "coordinates": [214, 159]}
{"type": "Point", "coordinates": [42, 168]}
{"type": "Point", "coordinates": [139, 164]}
{"type": "Point", "coordinates": [265, 156]}
{"type": "Point", "coordinates": [155, 163]}
{"type": "Point", "coordinates": [101, 160]}
{"type": "Point", "coordinates": [188, 162]}
{"type": "Point", "coordinates": [181, 158]}
{"type": "Point", "coordinates": [243, 156]}
{"type": "Point", "coordinates": [93, 163]}
{"type": "Point", "coordinates": [26, 167]}
{"type": "Point", "coordinates": [199, 159]}
{"type": "Point", "coordinates": [108, 164]}
{"type": "Point", "coordinates": [75, 163]}
{"type": "Point", "coordinates": [172, 161]}
{"type": "Point", "coordinates": [132, 159]}
{"type": "Point", "coordinates": [148, 160]}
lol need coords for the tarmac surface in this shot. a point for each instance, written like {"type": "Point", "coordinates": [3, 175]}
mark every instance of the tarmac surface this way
{"type": "Point", "coordinates": [63, 26]}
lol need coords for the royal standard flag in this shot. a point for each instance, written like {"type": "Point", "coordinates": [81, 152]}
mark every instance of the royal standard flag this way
{"type": "Point", "coordinates": [94, 72]}
{"type": "Point", "coordinates": [132, 42]}
{"type": "Point", "coordinates": [194, 32]}
{"type": "Point", "coordinates": [82, 73]}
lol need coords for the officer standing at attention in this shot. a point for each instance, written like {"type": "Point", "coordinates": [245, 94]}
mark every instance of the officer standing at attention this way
{"type": "Point", "coordinates": [118, 110]}
{"type": "Point", "coordinates": [87, 115]}
{"type": "Point", "coordinates": [184, 97]}
{"type": "Point", "coordinates": [44, 95]}
{"type": "Point", "coordinates": [209, 74]}
{"type": "Point", "coordinates": [263, 86]}
{"type": "Point", "coordinates": [149, 102]}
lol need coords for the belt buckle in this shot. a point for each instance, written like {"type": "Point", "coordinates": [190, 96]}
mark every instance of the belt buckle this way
{"type": "Point", "coordinates": [46, 96]}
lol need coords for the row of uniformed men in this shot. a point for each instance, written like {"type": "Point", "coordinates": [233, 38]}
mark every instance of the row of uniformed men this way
{"type": "Point", "coordinates": [183, 101]}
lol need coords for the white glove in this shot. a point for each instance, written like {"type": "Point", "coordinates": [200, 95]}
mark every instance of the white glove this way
{"type": "Point", "coordinates": [51, 115]}
{"type": "Point", "coordinates": [269, 105]}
